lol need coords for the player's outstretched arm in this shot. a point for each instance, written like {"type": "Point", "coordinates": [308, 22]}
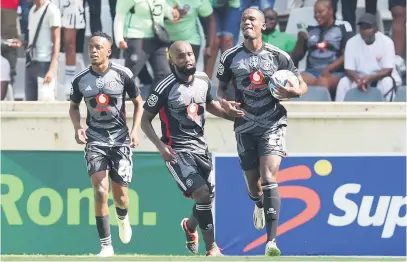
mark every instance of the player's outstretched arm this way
{"type": "Point", "coordinates": [216, 109]}
{"type": "Point", "coordinates": [228, 106]}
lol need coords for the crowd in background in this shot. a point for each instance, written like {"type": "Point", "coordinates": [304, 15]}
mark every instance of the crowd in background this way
{"type": "Point", "coordinates": [336, 56]}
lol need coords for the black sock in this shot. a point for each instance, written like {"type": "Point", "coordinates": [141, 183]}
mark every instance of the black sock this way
{"type": "Point", "coordinates": [205, 221]}
{"type": "Point", "coordinates": [192, 222]}
{"type": "Point", "coordinates": [271, 202]}
{"type": "Point", "coordinates": [121, 213]}
{"type": "Point", "coordinates": [103, 226]}
{"type": "Point", "coordinates": [257, 200]}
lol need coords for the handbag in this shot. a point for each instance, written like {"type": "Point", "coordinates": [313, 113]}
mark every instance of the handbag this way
{"type": "Point", "coordinates": [159, 31]}
{"type": "Point", "coordinates": [30, 49]}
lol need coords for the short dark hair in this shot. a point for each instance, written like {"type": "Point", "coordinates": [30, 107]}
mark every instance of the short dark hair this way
{"type": "Point", "coordinates": [104, 35]}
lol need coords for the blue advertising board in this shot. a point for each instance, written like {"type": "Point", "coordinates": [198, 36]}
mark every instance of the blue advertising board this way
{"type": "Point", "coordinates": [329, 206]}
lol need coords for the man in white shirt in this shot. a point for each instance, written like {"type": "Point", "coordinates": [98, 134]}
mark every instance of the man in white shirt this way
{"type": "Point", "coordinates": [369, 61]}
{"type": "Point", "coordinates": [46, 50]}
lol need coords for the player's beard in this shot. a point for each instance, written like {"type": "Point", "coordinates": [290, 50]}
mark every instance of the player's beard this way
{"type": "Point", "coordinates": [183, 70]}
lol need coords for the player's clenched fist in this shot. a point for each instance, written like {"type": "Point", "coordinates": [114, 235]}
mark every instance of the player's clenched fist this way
{"type": "Point", "coordinates": [80, 136]}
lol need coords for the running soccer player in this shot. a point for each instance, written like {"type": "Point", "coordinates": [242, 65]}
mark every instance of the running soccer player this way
{"type": "Point", "coordinates": [181, 99]}
{"type": "Point", "coordinates": [260, 133]}
{"type": "Point", "coordinates": [107, 152]}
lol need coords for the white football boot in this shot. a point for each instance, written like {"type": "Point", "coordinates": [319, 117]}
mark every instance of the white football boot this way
{"type": "Point", "coordinates": [125, 230]}
{"type": "Point", "coordinates": [106, 251]}
{"type": "Point", "coordinates": [271, 249]}
{"type": "Point", "coordinates": [258, 218]}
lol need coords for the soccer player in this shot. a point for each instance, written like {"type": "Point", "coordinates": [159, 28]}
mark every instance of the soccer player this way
{"type": "Point", "coordinates": [260, 133]}
{"type": "Point", "coordinates": [108, 144]}
{"type": "Point", "coordinates": [181, 99]}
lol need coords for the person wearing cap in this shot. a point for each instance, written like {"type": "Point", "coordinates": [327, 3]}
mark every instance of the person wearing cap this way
{"type": "Point", "coordinates": [369, 61]}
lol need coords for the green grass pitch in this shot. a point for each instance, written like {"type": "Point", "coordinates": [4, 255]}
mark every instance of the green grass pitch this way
{"type": "Point", "coordinates": [192, 258]}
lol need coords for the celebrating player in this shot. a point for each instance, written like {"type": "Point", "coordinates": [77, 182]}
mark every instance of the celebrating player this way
{"type": "Point", "coordinates": [181, 99]}
{"type": "Point", "coordinates": [107, 152]}
{"type": "Point", "coordinates": [260, 133]}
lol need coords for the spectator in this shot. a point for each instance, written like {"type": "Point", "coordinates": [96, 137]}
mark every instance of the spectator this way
{"type": "Point", "coordinates": [369, 61]}
{"type": "Point", "coordinates": [227, 14]}
{"type": "Point", "coordinates": [5, 77]}
{"type": "Point", "coordinates": [262, 4]}
{"type": "Point", "coordinates": [398, 11]}
{"type": "Point", "coordinates": [349, 9]}
{"type": "Point", "coordinates": [142, 45]}
{"type": "Point", "coordinates": [187, 27]}
{"type": "Point", "coordinates": [25, 6]}
{"type": "Point", "coordinates": [5, 65]}
{"type": "Point", "coordinates": [72, 19]}
{"type": "Point", "coordinates": [273, 36]}
{"type": "Point", "coordinates": [95, 14]}
{"type": "Point", "coordinates": [325, 44]}
{"type": "Point", "coordinates": [46, 49]}
{"type": "Point", "coordinates": [9, 31]}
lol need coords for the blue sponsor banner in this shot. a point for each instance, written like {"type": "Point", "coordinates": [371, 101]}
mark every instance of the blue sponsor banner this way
{"type": "Point", "coordinates": [330, 206]}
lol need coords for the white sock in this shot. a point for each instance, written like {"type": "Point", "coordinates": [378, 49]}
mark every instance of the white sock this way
{"type": "Point", "coordinates": [70, 72]}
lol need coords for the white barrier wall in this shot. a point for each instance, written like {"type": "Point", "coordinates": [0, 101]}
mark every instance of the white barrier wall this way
{"type": "Point", "coordinates": [313, 128]}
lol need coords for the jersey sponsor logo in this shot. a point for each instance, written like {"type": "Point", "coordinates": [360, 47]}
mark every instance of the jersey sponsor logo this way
{"type": "Point", "coordinates": [221, 69]}
{"type": "Point", "coordinates": [152, 100]}
{"type": "Point", "coordinates": [322, 45]}
{"type": "Point", "coordinates": [102, 99]}
{"type": "Point", "coordinates": [257, 80]}
{"type": "Point", "coordinates": [192, 111]}
{"type": "Point", "coordinates": [99, 82]}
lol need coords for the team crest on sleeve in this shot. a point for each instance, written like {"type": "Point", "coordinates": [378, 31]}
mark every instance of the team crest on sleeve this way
{"type": "Point", "coordinates": [221, 69]}
{"type": "Point", "coordinates": [152, 100]}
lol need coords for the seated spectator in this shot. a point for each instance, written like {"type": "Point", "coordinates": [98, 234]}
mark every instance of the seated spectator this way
{"type": "Point", "coordinates": [186, 28]}
{"type": "Point", "coordinates": [5, 65]}
{"type": "Point", "coordinates": [5, 77]}
{"type": "Point", "coordinates": [325, 44]}
{"type": "Point", "coordinates": [273, 36]}
{"type": "Point", "coordinates": [398, 27]}
{"type": "Point", "coordinates": [9, 31]}
{"type": "Point", "coordinates": [369, 61]}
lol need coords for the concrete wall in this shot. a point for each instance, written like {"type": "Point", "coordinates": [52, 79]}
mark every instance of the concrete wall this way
{"type": "Point", "coordinates": [314, 128]}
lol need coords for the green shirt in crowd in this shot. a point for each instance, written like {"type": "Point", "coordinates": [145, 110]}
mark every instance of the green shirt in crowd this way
{"type": "Point", "coordinates": [187, 28]}
{"type": "Point", "coordinates": [232, 3]}
{"type": "Point", "coordinates": [139, 24]}
{"type": "Point", "coordinates": [284, 41]}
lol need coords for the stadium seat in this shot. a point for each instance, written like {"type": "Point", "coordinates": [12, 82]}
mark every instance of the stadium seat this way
{"type": "Point", "coordinates": [372, 94]}
{"type": "Point", "coordinates": [315, 93]}
{"type": "Point", "coordinates": [400, 94]}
